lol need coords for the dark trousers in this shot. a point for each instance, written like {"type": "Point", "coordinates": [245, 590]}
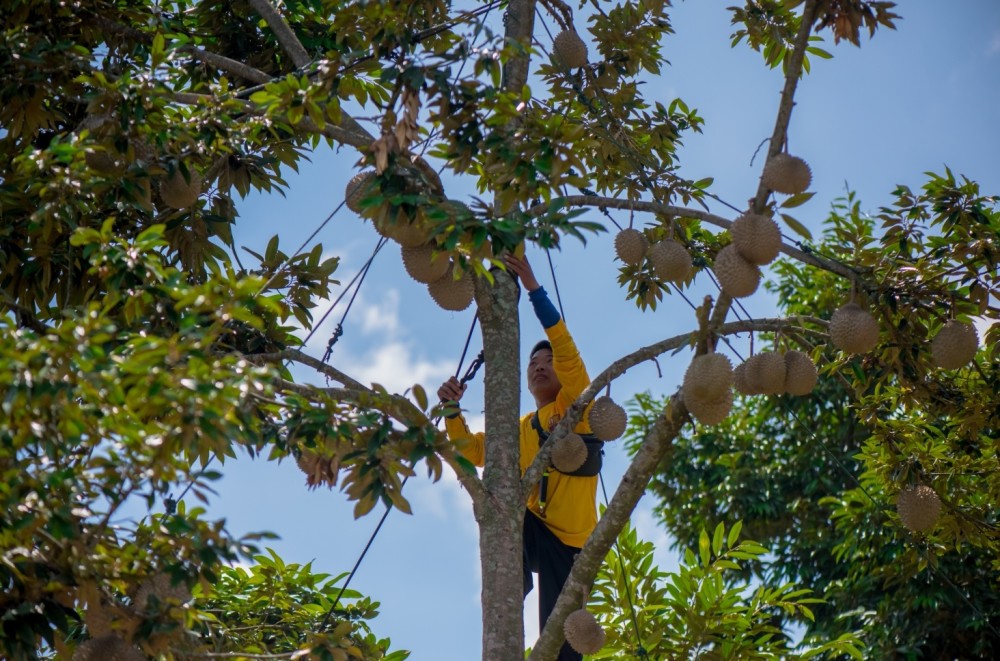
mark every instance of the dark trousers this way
{"type": "Point", "coordinates": [547, 556]}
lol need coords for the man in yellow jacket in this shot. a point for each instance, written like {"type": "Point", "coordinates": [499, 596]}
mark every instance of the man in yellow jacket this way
{"type": "Point", "coordinates": [561, 511]}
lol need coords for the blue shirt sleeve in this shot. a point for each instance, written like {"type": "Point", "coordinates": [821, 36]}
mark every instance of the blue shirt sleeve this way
{"type": "Point", "coordinates": [544, 310]}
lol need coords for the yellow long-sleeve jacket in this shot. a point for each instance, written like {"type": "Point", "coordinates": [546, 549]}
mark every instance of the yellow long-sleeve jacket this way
{"type": "Point", "coordinates": [570, 512]}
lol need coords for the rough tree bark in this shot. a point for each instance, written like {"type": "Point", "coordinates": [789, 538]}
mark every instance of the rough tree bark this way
{"type": "Point", "coordinates": [500, 515]}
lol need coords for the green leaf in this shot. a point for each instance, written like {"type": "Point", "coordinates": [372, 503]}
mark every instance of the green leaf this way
{"type": "Point", "coordinates": [704, 548]}
{"type": "Point", "coordinates": [421, 396]}
{"type": "Point", "coordinates": [734, 534]}
{"type": "Point", "coordinates": [720, 532]}
{"type": "Point", "coordinates": [798, 227]}
{"type": "Point", "coordinates": [797, 200]}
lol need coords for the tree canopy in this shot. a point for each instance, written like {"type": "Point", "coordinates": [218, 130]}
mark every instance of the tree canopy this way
{"type": "Point", "coordinates": [139, 348]}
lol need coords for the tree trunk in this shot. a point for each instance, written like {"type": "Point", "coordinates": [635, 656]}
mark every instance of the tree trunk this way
{"type": "Point", "coordinates": [500, 516]}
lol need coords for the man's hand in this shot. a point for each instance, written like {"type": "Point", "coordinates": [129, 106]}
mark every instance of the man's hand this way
{"type": "Point", "coordinates": [522, 269]}
{"type": "Point", "coordinates": [451, 390]}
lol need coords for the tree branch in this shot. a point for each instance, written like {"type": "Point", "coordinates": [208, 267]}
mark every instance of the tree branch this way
{"type": "Point", "coordinates": [623, 364]}
{"type": "Point", "coordinates": [712, 219]}
{"type": "Point", "coordinates": [792, 75]}
{"type": "Point", "coordinates": [403, 410]}
{"type": "Point", "coordinates": [282, 32]}
{"type": "Point", "coordinates": [214, 59]}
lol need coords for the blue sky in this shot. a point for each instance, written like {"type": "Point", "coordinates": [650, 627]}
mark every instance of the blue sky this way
{"type": "Point", "coordinates": [909, 101]}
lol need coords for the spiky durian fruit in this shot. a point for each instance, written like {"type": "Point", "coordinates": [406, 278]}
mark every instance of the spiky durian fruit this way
{"type": "Point", "coordinates": [787, 174]}
{"type": "Point", "coordinates": [161, 588]}
{"type": "Point", "coordinates": [918, 507]}
{"type": "Point", "coordinates": [709, 411]}
{"type": "Point", "coordinates": [736, 275]}
{"type": "Point", "coordinates": [766, 373]}
{"type": "Point", "coordinates": [631, 245]}
{"type": "Point", "coordinates": [99, 619]}
{"type": "Point", "coordinates": [756, 237]}
{"type": "Point", "coordinates": [357, 189]}
{"type": "Point", "coordinates": [569, 453]}
{"type": "Point", "coordinates": [423, 264]}
{"type": "Point", "coordinates": [607, 419]}
{"type": "Point", "coordinates": [407, 232]}
{"type": "Point", "coordinates": [107, 648]}
{"type": "Point", "coordinates": [800, 373]}
{"type": "Point", "coordinates": [569, 49]}
{"type": "Point", "coordinates": [853, 329]}
{"type": "Point", "coordinates": [671, 261]}
{"type": "Point", "coordinates": [179, 192]}
{"type": "Point", "coordinates": [955, 345]}
{"type": "Point", "coordinates": [583, 632]}
{"type": "Point", "coordinates": [452, 293]}
{"type": "Point", "coordinates": [101, 160]}
{"type": "Point", "coordinates": [708, 376]}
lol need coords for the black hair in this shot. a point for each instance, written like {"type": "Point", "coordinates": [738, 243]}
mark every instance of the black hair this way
{"type": "Point", "coordinates": [544, 344]}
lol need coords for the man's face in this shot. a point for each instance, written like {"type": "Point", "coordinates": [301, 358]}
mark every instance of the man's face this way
{"type": "Point", "coordinates": [543, 383]}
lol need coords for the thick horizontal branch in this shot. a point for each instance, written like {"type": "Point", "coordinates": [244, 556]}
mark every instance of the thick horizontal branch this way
{"type": "Point", "coordinates": [685, 212]}
{"type": "Point", "coordinates": [622, 365]}
{"type": "Point", "coordinates": [402, 410]}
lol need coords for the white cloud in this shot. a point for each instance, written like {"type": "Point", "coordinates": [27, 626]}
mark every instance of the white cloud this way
{"type": "Point", "coordinates": [645, 524]}
{"type": "Point", "coordinates": [394, 366]}
{"type": "Point", "coordinates": [994, 46]}
{"type": "Point", "coordinates": [383, 316]}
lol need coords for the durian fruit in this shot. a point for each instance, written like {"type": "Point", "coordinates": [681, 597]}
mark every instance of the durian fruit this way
{"type": "Point", "coordinates": [453, 294]}
{"type": "Point", "coordinates": [740, 383]}
{"type": "Point", "coordinates": [99, 619]}
{"type": "Point", "coordinates": [737, 276]}
{"type": "Point", "coordinates": [404, 231]}
{"type": "Point", "coordinates": [955, 345]}
{"type": "Point", "coordinates": [708, 377]}
{"type": "Point", "coordinates": [709, 411]}
{"type": "Point", "coordinates": [756, 237]}
{"type": "Point", "coordinates": [671, 261]}
{"type": "Point", "coordinates": [161, 588]}
{"type": "Point", "coordinates": [107, 648]}
{"type": "Point", "coordinates": [800, 373]}
{"type": "Point", "coordinates": [100, 160]}
{"type": "Point", "coordinates": [569, 453]}
{"type": "Point", "coordinates": [583, 632]}
{"type": "Point", "coordinates": [357, 189]}
{"type": "Point", "coordinates": [918, 507]}
{"type": "Point", "coordinates": [423, 265]}
{"type": "Point", "coordinates": [569, 49]}
{"type": "Point", "coordinates": [853, 329]}
{"type": "Point", "coordinates": [631, 245]}
{"type": "Point", "coordinates": [787, 174]}
{"type": "Point", "coordinates": [607, 419]}
{"type": "Point", "coordinates": [180, 193]}
{"type": "Point", "coordinates": [766, 373]}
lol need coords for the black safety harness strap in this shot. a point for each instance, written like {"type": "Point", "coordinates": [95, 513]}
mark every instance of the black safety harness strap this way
{"type": "Point", "coordinates": [590, 468]}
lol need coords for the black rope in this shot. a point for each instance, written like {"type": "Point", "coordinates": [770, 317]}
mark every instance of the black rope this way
{"type": "Point", "coordinates": [555, 283]}
{"type": "Point", "coordinates": [340, 330]}
{"type": "Point", "coordinates": [640, 651]}
{"type": "Point", "coordinates": [473, 368]}
{"type": "Point", "coordinates": [304, 244]}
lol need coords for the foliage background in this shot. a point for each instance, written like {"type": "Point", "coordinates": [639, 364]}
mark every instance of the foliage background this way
{"type": "Point", "coordinates": [872, 117]}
